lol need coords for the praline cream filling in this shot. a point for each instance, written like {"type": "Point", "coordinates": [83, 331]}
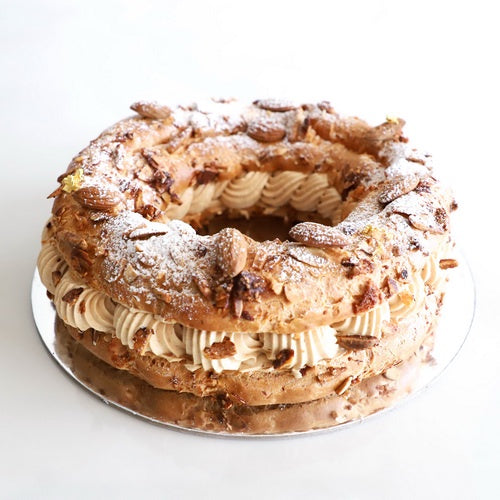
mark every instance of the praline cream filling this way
{"type": "Point", "coordinates": [89, 308]}
{"type": "Point", "coordinates": [269, 190]}
{"type": "Point", "coordinates": [368, 323]}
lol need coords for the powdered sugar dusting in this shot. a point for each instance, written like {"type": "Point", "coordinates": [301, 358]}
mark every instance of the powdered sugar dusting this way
{"type": "Point", "coordinates": [139, 249]}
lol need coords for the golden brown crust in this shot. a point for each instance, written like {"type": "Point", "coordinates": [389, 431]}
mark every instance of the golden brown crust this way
{"type": "Point", "coordinates": [108, 214]}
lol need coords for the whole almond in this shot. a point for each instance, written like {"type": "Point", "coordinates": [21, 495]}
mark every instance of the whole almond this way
{"type": "Point", "coordinates": [95, 198]}
{"type": "Point", "coordinates": [266, 130]}
{"type": "Point", "coordinates": [274, 105]}
{"type": "Point", "coordinates": [231, 251]}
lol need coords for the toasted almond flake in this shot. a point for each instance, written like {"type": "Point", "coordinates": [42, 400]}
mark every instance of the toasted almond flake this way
{"type": "Point", "coordinates": [343, 386]}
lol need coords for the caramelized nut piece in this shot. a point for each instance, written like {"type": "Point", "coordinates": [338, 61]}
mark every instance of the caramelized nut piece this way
{"type": "Point", "coordinates": [203, 286]}
{"type": "Point", "coordinates": [448, 263]}
{"type": "Point", "coordinates": [140, 339]}
{"type": "Point", "coordinates": [56, 277]}
{"type": "Point", "coordinates": [72, 296]}
{"type": "Point", "coordinates": [283, 359]}
{"type": "Point", "coordinates": [220, 350]}
{"type": "Point", "coordinates": [390, 287]}
{"type": "Point", "coordinates": [370, 297]}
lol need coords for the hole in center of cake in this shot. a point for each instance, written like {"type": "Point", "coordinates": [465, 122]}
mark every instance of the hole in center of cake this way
{"type": "Point", "coordinates": [259, 227]}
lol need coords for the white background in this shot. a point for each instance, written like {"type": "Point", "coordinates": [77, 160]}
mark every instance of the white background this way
{"type": "Point", "coordinates": [69, 69]}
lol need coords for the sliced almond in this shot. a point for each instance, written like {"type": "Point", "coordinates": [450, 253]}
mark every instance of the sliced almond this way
{"type": "Point", "coordinates": [357, 342]}
{"type": "Point", "coordinates": [148, 231]}
{"type": "Point", "coordinates": [274, 105]}
{"type": "Point", "coordinates": [343, 386]}
{"type": "Point", "coordinates": [308, 256]}
{"type": "Point", "coordinates": [425, 222]}
{"type": "Point", "coordinates": [181, 140]}
{"type": "Point", "coordinates": [397, 187]}
{"type": "Point", "coordinates": [276, 286]}
{"type": "Point", "coordinates": [260, 258]}
{"type": "Point", "coordinates": [237, 307]}
{"type": "Point", "coordinates": [318, 235]}
{"type": "Point", "coordinates": [390, 287]}
{"type": "Point", "coordinates": [151, 109]}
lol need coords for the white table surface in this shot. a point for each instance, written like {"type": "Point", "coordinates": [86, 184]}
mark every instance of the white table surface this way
{"type": "Point", "coordinates": [69, 69]}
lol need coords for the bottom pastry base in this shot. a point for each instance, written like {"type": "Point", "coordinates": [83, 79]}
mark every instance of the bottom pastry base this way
{"type": "Point", "coordinates": [213, 414]}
